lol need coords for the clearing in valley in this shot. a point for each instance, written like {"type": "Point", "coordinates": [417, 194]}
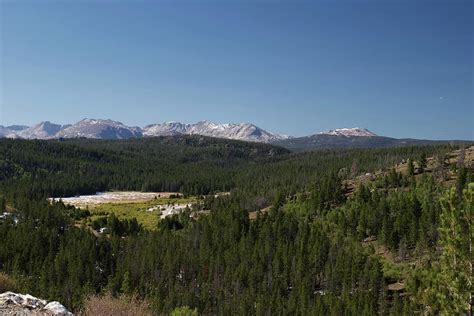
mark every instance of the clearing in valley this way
{"type": "Point", "coordinates": [146, 207]}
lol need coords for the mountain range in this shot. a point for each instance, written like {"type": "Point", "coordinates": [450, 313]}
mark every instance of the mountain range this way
{"type": "Point", "coordinates": [109, 129]}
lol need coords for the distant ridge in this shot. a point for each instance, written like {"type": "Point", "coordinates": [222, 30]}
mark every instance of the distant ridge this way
{"type": "Point", "coordinates": [338, 141]}
{"type": "Point", "coordinates": [355, 137]}
{"type": "Point", "coordinates": [109, 129]}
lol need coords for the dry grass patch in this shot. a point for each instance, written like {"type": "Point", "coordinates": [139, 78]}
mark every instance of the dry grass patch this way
{"type": "Point", "coordinates": [7, 283]}
{"type": "Point", "coordinates": [107, 305]}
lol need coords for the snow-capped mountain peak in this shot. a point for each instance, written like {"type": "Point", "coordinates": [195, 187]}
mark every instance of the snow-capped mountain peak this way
{"type": "Point", "coordinates": [349, 132]}
{"type": "Point", "coordinates": [170, 128]}
{"type": "Point", "coordinates": [242, 131]}
{"type": "Point", "coordinates": [43, 130]}
{"type": "Point", "coordinates": [98, 128]}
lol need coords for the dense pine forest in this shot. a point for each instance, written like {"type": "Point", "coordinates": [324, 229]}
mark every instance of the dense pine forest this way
{"type": "Point", "coordinates": [331, 232]}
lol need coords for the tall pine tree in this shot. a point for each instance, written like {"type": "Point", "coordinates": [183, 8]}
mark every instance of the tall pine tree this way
{"type": "Point", "coordinates": [455, 281]}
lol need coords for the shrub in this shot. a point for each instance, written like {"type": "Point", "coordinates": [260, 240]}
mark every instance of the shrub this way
{"type": "Point", "coordinates": [184, 311]}
{"type": "Point", "coordinates": [7, 283]}
{"type": "Point", "coordinates": [107, 305]}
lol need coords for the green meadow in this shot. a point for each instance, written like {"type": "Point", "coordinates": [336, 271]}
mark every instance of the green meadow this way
{"type": "Point", "coordinates": [138, 210]}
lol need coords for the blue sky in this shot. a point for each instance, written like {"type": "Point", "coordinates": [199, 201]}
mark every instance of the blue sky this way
{"type": "Point", "coordinates": [399, 68]}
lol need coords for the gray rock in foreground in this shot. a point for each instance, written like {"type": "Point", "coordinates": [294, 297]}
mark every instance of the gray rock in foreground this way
{"type": "Point", "coordinates": [25, 304]}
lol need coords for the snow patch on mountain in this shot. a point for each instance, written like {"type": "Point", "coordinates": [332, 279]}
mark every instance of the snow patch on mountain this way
{"type": "Point", "coordinates": [165, 129]}
{"type": "Point", "coordinates": [349, 132]}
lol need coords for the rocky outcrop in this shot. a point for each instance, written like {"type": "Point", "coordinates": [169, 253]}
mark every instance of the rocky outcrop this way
{"type": "Point", "coordinates": [25, 304]}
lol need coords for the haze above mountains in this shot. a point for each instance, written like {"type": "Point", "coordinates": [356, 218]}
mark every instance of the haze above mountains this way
{"type": "Point", "coordinates": [109, 129]}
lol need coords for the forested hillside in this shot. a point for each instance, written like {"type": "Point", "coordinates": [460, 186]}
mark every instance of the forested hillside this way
{"type": "Point", "coordinates": [321, 242]}
{"type": "Point", "coordinates": [325, 141]}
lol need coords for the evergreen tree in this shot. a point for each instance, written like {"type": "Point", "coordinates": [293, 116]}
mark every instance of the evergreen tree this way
{"type": "Point", "coordinates": [2, 204]}
{"type": "Point", "coordinates": [455, 280]}
{"type": "Point", "coordinates": [461, 182]}
{"type": "Point", "coordinates": [125, 288]}
{"type": "Point", "coordinates": [422, 163]}
{"type": "Point", "coordinates": [411, 168]}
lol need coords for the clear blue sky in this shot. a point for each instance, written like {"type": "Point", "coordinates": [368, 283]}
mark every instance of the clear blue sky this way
{"type": "Point", "coordinates": [400, 68]}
